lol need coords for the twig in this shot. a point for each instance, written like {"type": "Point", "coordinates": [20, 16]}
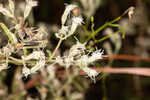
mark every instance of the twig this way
{"type": "Point", "coordinates": [58, 45]}
{"type": "Point", "coordinates": [127, 57]}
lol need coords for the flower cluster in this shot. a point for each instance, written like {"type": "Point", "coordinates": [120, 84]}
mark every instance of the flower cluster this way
{"type": "Point", "coordinates": [32, 38]}
{"type": "Point", "coordinates": [78, 57]}
{"type": "Point", "coordinates": [76, 20]}
{"type": "Point", "coordinates": [10, 12]}
{"type": "Point", "coordinates": [36, 55]}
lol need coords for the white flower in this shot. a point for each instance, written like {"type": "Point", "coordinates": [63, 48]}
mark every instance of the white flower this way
{"type": "Point", "coordinates": [60, 61]}
{"type": "Point", "coordinates": [12, 6]}
{"type": "Point", "coordinates": [64, 61]}
{"type": "Point", "coordinates": [95, 56]}
{"type": "Point", "coordinates": [6, 12]}
{"type": "Point", "coordinates": [7, 50]}
{"type": "Point", "coordinates": [90, 72]}
{"type": "Point", "coordinates": [67, 11]}
{"type": "Point", "coordinates": [62, 33]}
{"type": "Point", "coordinates": [32, 3]}
{"type": "Point", "coordinates": [38, 55]}
{"type": "Point", "coordinates": [29, 5]}
{"type": "Point", "coordinates": [26, 71]}
{"type": "Point", "coordinates": [131, 12]}
{"type": "Point", "coordinates": [68, 61]}
{"type": "Point", "coordinates": [76, 21]}
{"type": "Point", "coordinates": [77, 49]}
{"type": "Point", "coordinates": [82, 62]}
{"type": "Point", "coordinates": [63, 30]}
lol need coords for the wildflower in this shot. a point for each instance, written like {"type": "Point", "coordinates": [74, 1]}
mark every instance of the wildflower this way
{"type": "Point", "coordinates": [76, 12]}
{"type": "Point", "coordinates": [29, 5]}
{"type": "Point", "coordinates": [77, 50]}
{"type": "Point", "coordinates": [67, 11]}
{"type": "Point", "coordinates": [11, 7]}
{"type": "Point", "coordinates": [6, 12]}
{"type": "Point", "coordinates": [60, 61]}
{"type": "Point", "coordinates": [8, 50]}
{"type": "Point", "coordinates": [78, 57]}
{"type": "Point", "coordinates": [62, 32]}
{"type": "Point", "coordinates": [68, 61]}
{"type": "Point", "coordinates": [41, 33]}
{"type": "Point", "coordinates": [64, 61]}
{"type": "Point", "coordinates": [82, 62]}
{"type": "Point", "coordinates": [90, 72]}
{"type": "Point", "coordinates": [96, 55]}
{"type": "Point", "coordinates": [38, 55]}
{"type": "Point", "coordinates": [26, 71]}
{"type": "Point", "coordinates": [130, 12]}
{"type": "Point", "coordinates": [76, 21]}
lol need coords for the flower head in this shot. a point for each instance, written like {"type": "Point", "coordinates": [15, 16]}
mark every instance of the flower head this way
{"type": "Point", "coordinates": [6, 12]}
{"type": "Point", "coordinates": [29, 5]}
{"type": "Point", "coordinates": [64, 61]}
{"type": "Point", "coordinates": [131, 12]}
{"type": "Point", "coordinates": [67, 11]}
{"type": "Point", "coordinates": [8, 50]}
{"type": "Point", "coordinates": [77, 20]}
{"type": "Point", "coordinates": [96, 55]}
{"type": "Point", "coordinates": [26, 71]}
{"type": "Point", "coordinates": [77, 50]}
{"type": "Point", "coordinates": [90, 72]}
{"type": "Point", "coordinates": [12, 7]}
{"type": "Point", "coordinates": [62, 33]}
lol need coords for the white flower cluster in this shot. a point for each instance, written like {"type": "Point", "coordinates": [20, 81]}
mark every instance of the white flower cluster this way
{"type": "Point", "coordinates": [78, 57]}
{"type": "Point", "coordinates": [36, 55]}
{"type": "Point", "coordinates": [7, 50]}
{"type": "Point", "coordinates": [68, 30]}
{"type": "Point", "coordinates": [10, 12]}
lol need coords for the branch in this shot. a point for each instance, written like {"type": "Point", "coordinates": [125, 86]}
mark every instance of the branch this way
{"type": "Point", "coordinates": [127, 57]}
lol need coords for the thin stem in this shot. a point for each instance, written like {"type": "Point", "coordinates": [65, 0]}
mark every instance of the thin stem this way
{"type": "Point", "coordinates": [58, 45]}
{"type": "Point", "coordinates": [106, 37]}
{"type": "Point", "coordinates": [102, 27]}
